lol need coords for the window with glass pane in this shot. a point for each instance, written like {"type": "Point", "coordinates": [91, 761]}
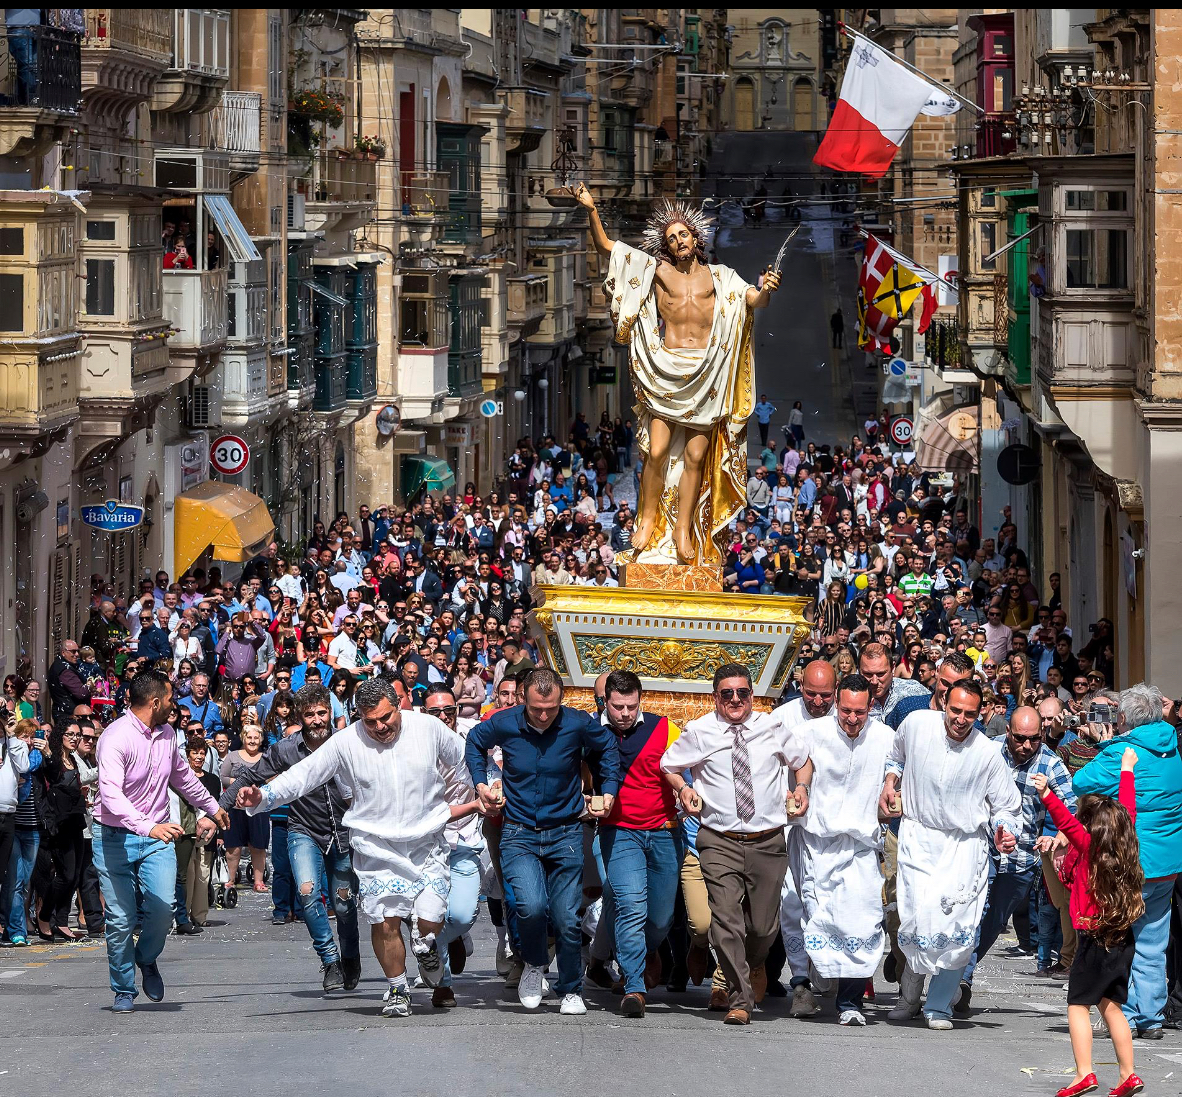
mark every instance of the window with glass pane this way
{"type": "Point", "coordinates": [1112, 258]}
{"type": "Point", "coordinates": [12, 240]}
{"type": "Point", "coordinates": [988, 244]}
{"type": "Point", "coordinates": [100, 287]}
{"type": "Point", "coordinates": [1079, 258]}
{"type": "Point", "coordinates": [100, 230]}
{"type": "Point", "coordinates": [12, 302]}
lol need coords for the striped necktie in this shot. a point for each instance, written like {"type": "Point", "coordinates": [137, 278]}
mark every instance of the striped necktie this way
{"type": "Point", "coordinates": [741, 767]}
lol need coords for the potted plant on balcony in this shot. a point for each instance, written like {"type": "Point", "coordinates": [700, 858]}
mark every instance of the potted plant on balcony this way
{"type": "Point", "coordinates": [370, 148]}
{"type": "Point", "coordinates": [318, 106]}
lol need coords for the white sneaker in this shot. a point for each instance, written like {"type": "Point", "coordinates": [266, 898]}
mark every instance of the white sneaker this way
{"type": "Point", "coordinates": [572, 1006]}
{"type": "Point", "coordinates": [851, 1017]}
{"type": "Point", "coordinates": [939, 1024]}
{"type": "Point", "coordinates": [532, 987]}
{"type": "Point", "coordinates": [397, 1003]}
{"type": "Point", "coordinates": [1099, 1025]}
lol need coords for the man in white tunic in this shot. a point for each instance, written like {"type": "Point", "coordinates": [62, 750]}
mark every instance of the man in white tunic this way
{"type": "Point", "coordinates": [955, 789]}
{"type": "Point", "coordinates": [693, 380]}
{"type": "Point", "coordinates": [401, 768]}
{"type": "Point", "coordinates": [817, 688]}
{"type": "Point", "coordinates": [835, 851]}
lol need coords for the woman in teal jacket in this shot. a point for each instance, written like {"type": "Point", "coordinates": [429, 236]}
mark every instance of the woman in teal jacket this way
{"type": "Point", "coordinates": [1159, 832]}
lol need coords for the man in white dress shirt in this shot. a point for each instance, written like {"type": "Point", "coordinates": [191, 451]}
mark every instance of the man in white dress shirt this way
{"type": "Point", "coordinates": [817, 689]}
{"type": "Point", "coordinates": [955, 787]}
{"type": "Point", "coordinates": [736, 758]}
{"type": "Point", "coordinates": [399, 767]}
{"type": "Point", "coordinates": [834, 853]}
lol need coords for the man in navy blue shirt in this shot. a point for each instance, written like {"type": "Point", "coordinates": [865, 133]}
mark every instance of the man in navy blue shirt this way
{"type": "Point", "coordinates": [543, 745]}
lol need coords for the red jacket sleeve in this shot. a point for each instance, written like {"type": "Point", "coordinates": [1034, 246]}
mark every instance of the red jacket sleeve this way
{"type": "Point", "coordinates": [1075, 831]}
{"type": "Point", "coordinates": [1127, 793]}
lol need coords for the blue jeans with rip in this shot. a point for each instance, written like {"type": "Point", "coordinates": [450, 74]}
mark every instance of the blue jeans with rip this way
{"type": "Point", "coordinates": [137, 875]}
{"type": "Point", "coordinates": [463, 901]}
{"type": "Point", "coordinates": [543, 872]}
{"type": "Point", "coordinates": [309, 863]}
{"type": "Point", "coordinates": [15, 896]}
{"type": "Point", "coordinates": [1007, 892]}
{"type": "Point", "coordinates": [1148, 989]}
{"type": "Point", "coordinates": [643, 872]}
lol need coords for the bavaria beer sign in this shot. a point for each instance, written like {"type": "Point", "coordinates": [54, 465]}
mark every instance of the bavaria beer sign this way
{"type": "Point", "coordinates": [112, 516]}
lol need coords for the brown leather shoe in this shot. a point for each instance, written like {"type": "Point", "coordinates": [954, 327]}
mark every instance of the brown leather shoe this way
{"type": "Point", "coordinates": [737, 1017]}
{"type": "Point", "coordinates": [632, 1005]}
{"type": "Point", "coordinates": [442, 998]}
{"type": "Point", "coordinates": [652, 970]}
{"type": "Point", "coordinates": [720, 1001]}
{"type": "Point", "coordinates": [697, 963]}
{"type": "Point", "coordinates": [759, 983]}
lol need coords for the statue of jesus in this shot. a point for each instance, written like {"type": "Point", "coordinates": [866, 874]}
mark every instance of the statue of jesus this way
{"type": "Point", "coordinates": [688, 323]}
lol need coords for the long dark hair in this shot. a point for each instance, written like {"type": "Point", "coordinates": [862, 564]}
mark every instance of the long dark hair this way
{"type": "Point", "coordinates": [1115, 877]}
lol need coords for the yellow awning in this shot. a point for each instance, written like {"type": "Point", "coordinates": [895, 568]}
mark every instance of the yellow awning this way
{"type": "Point", "coordinates": [230, 521]}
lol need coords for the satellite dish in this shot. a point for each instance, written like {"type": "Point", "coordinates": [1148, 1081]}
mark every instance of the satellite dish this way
{"type": "Point", "coordinates": [388, 420]}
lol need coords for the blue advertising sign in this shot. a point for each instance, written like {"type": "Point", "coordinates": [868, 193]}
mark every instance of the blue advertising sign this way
{"type": "Point", "coordinates": [112, 516]}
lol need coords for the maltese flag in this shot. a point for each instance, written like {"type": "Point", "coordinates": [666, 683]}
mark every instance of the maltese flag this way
{"type": "Point", "coordinates": [879, 101]}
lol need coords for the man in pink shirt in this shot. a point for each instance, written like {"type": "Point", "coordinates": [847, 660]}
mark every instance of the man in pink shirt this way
{"type": "Point", "coordinates": [138, 759]}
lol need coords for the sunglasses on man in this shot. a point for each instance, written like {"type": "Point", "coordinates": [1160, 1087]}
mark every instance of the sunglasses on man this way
{"type": "Point", "coordinates": [740, 694]}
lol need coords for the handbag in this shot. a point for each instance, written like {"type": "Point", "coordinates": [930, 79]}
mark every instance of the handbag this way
{"type": "Point", "coordinates": [219, 874]}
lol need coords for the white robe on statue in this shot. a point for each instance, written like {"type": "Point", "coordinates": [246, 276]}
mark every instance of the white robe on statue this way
{"type": "Point", "coordinates": [835, 856]}
{"type": "Point", "coordinates": [707, 390]}
{"type": "Point", "coordinates": [954, 796]}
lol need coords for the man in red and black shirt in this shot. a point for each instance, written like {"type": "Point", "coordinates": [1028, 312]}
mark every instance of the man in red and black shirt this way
{"type": "Point", "coordinates": [641, 842]}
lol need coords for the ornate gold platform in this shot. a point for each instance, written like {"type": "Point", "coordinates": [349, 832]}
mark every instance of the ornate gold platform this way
{"type": "Point", "coordinates": [672, 625]}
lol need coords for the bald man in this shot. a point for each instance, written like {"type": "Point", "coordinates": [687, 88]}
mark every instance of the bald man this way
{"type": "Point", "coordinates": [1013, 874]}
{"type": "Point", "coordinates": [818, 687]}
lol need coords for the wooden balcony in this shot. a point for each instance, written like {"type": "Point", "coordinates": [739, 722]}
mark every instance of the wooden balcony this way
{"type": "Point", "coordinates": [200, 66]}
{"type": "Point", "coordinates": [195, 304]}
{"type": "Point", "coordinates": [527, 301]}
{"type": "Point", "coordinates": [343, 193]}
{"type": "Point", "coordinates": [425, 196]}
{"type": "Point", "coordinates": [233, 125]}
{"type": "Point", "coordinates": [124, 52]}
{"type": "Point", "coordinates": [38, 391]}
{"type": "Point", "coordinates": [244, 386]}
{"type": "Point", "coordinates": [526, 124]}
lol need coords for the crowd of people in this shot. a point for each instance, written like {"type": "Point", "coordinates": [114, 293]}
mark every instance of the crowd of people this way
{"type": "Point", "coordinates": [363, 728]}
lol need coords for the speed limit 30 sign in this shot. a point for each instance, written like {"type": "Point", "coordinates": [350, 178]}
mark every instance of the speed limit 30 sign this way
{"type": "Point", "coordinates": [229, 455]}
{"type": "Point", "coordinates": [901, 429]}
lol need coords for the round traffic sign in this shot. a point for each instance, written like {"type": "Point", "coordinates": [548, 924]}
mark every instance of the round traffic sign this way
{"type": "Point", "coordinates": [1018, 464]}
{"type": "Point", "coordinates": [489, 408]}
{"type": "Point", "coordinates": [898, 367]}
{"type": "Point", "coordinates": [229, 455]}
{"type": "Point", "coordinates": [901, 429]}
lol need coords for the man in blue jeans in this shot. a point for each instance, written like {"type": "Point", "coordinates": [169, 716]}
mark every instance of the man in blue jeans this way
{"type": "Point", "coordinates": [1142, 726]}
{"type": "Point", "coordinates": [543, 745]}
{"type": "Point", "coordinates": [1012, 875]}
{"type": "Point", "coordinates": [138, 759]}
{"type": "Point", "coordinates": [641, 842]}
{"type": "Point", "coordinates": [317, 843]}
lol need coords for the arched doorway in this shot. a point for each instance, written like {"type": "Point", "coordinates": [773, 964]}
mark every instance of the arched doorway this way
{"type": "Point", "coordinates": [744, 103]}
{"type": "Point", "coordinates": [802, 105]}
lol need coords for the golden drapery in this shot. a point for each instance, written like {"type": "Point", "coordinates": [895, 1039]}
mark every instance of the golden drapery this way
{"type": "Point", "coordinates": [702, 390]}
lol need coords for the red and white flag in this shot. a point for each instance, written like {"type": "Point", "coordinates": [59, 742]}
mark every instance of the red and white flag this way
{"type": "Point", "coordinates": [879, 101]}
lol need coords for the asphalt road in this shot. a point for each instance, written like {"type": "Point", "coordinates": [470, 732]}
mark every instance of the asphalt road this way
{"type": "Point", "coordinates": [793, 356]}
{"type": "Point", "coordinates": [244, 1012]}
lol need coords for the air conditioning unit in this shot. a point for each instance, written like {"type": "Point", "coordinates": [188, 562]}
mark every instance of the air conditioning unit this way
{"type": "Point", "coordinates": [197, 406]}
{"type": "Point", "coordinates": [295, 211]}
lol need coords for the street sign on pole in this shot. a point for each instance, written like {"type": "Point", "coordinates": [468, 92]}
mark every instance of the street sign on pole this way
{"type": "Point", "coordinates": [901, 429]}
{"type": "Point", "coordinates": [898, 367]}
{"type": "Point", "coordinates": [229, 455]}
{"type": "Point", "coordinates": [490, 409]}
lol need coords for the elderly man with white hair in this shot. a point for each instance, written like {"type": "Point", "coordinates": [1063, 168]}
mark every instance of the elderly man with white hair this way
{"type": "Point", "coordinates": [1140, 725]}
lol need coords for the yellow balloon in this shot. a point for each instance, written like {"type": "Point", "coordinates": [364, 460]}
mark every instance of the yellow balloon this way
{"type": "Point", "coordinates": [861, 582]}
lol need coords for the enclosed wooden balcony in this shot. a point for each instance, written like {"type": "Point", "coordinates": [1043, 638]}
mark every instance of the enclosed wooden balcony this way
{"type": "Point", "coordinates": [124, 52]}
{"type": "Point", "coordinates": [200, 67]}
{"type": "Point", "coordinates": [195, 304]}
{"type": "Point", "coordinates": [527, 301]}
{"type": "Point", "coordinates": [233, 125]}
{"type": "Point", "coordinates": [526, 124]}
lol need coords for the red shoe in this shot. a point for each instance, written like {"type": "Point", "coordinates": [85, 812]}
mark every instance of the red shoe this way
{"type": "Point", "coordinates": [1084, 1085]}
{"type": "Point", "coordinates": [869, 992]}
{"type": "Point", "coordinates": [1132, 1084]}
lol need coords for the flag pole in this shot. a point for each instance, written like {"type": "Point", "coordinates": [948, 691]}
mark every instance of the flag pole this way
{"type": "Point", "coordinates": [899, 257]}
{"type": "Point", "coordinates": [918, 72]}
